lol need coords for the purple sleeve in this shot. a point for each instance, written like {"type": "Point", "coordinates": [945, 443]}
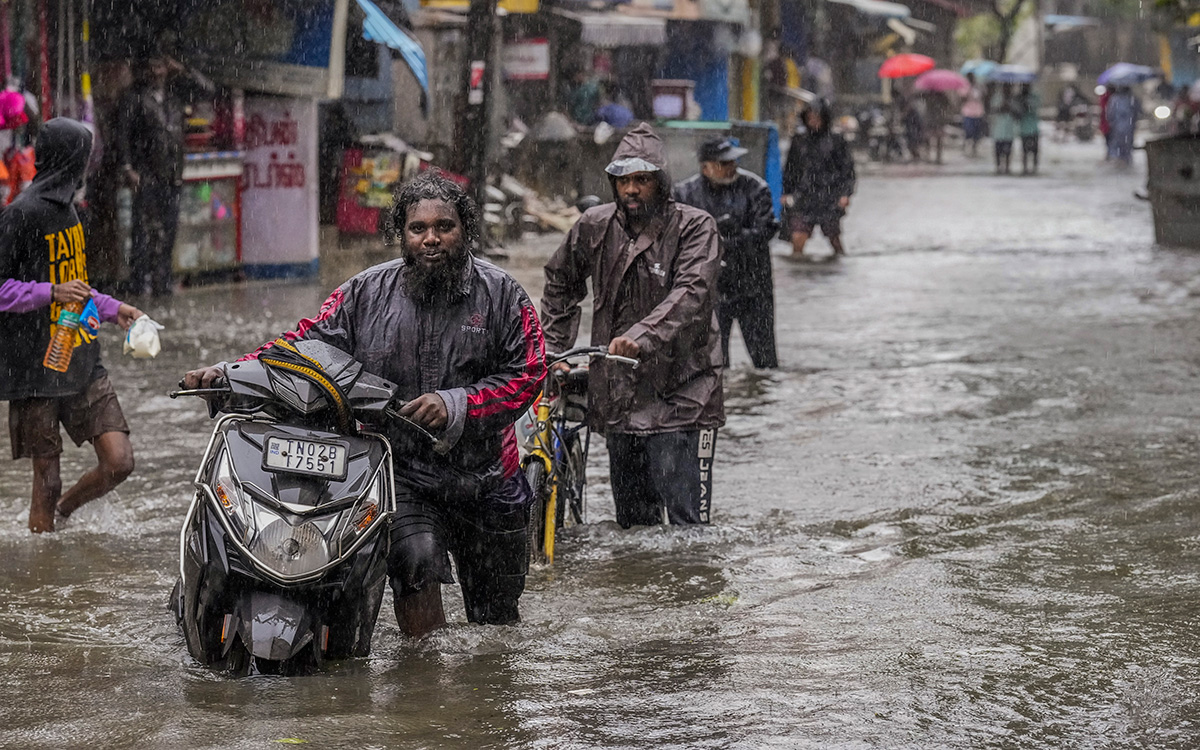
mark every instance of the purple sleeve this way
{"type": "Point", "coordinates": [23, 296]}
{"type": "Point", "coordinates": [108, 307]}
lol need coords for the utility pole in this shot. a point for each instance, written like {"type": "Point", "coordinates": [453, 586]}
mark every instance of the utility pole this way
{"type": "Point", "coordinates": [476, 103]}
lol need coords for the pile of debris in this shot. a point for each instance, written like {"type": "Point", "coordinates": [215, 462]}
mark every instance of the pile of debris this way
{"type": "Point", "coordinates": [513, 208]}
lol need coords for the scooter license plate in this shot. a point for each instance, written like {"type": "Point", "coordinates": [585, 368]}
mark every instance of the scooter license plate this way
{"type": "Point", "coordinates": [300, 456]}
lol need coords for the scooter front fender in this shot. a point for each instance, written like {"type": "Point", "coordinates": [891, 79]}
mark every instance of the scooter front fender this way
{"type": "Point", "coordinates": [273, 627]}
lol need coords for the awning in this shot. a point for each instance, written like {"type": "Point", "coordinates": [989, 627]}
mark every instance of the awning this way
{"type": "Point", "coordinates": [953, 6]}
{"type": "Point", "coordinates": [727, 11]}
{"type": "Point", "coordinates": [616, 29]}
{"type": "Point", "coordinates": [380, 29]}
{"type": "Point", "coordinates": [1062, 23]}
{"type": "Point", "coordinates": [927, 27]}
{"type": "Point", "coordinates": [908, 35]}
{"type": "Point", "coordinates": [880, 8]}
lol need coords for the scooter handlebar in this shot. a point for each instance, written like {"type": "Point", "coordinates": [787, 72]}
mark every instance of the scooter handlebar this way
{"type": "Point", "coordinates": [200, 392]}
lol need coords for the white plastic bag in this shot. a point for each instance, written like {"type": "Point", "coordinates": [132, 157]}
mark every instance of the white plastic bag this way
{"type": "Point", "coordinates": [142, 338]}
{"type": "Point", "coordinates": [603, 132]}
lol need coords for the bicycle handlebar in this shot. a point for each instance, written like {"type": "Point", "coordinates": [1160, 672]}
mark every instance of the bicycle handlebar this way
{"type": "Point", "coordinates": [595, 352]}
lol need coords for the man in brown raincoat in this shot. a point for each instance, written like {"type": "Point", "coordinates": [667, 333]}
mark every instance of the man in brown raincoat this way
{"type": "Point", "coordinates": [654, 265]}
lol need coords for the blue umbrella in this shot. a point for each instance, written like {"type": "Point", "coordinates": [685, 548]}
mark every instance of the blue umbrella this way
{"type": "Point", "coordinates": [980, 68]}
{"type": "Point", "coordinates": [1126, 74]}
{"type": "Point", "coordinates": [1012, 74]}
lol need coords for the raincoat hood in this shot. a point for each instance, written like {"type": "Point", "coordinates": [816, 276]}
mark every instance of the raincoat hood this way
{"type": "Point", "coordinates": [641, 150]}
{"type": "Point", "coordinates": [824, 111]}
{"type": "Point", "coordinates": [62, 151]}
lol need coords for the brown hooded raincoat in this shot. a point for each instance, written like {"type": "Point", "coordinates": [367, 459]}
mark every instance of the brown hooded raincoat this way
{"type": "Point", "coordinates": [658, 288]}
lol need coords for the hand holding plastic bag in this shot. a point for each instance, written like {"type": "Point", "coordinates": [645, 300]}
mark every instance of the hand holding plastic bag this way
{"type": "Point", "coordinates": [142, 339]}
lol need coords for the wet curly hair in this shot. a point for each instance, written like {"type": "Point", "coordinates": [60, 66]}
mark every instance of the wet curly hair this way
{"type": "Point", "coordinates": [433, 186]}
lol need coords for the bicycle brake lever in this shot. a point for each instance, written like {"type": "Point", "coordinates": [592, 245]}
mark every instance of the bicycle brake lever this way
{"type": "Point", "coordinates": [633, 363]}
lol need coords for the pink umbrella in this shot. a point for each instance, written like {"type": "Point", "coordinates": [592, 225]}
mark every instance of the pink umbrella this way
{"type": "Point", "coordinates": [942, 80]}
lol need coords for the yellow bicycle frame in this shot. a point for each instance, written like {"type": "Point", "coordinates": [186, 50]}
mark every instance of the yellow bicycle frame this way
{"type": "Point", "coordinates": [541, 452]}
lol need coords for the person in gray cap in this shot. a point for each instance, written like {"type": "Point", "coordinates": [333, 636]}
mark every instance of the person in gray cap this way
{"type": "Point", "coordinates": [653, 264]}
{"type": "Point", "coordinates": [741, 203]}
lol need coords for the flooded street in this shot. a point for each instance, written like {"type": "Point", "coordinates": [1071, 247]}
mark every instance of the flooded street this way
{"type": "Point", "coordinates": [962, 514]}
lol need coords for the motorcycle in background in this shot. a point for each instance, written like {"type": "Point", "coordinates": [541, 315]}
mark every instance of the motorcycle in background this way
{"type": "Point", "coordinates": [1085, 120]}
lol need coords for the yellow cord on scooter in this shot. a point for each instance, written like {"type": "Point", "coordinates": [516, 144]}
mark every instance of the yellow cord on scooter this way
{"type": "Point", "coordinates": [316, 375]}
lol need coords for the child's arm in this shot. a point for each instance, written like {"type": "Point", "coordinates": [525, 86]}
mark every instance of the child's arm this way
{"type": "Point", "coordinates": [108, 307]}
{"type": "Point", "coordinates": [23, 296]}
{"type": "Point", "coordinates": [113, 310]}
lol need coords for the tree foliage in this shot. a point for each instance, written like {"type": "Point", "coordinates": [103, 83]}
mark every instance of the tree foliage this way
{"type": "Point", "coordinates": [988, 35]}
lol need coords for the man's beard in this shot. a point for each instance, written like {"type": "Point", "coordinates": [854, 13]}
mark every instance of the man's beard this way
{"type": "Point", "coordinates": [427, 284]}
{"type": "Point", "coordinates": [645, 210]}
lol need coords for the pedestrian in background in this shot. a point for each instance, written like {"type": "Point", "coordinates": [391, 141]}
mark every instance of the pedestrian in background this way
{"type": "Point", "coordinates": [818, 180]}
{"type": "Point", "coordinates": [150, 129]}
{"type": "Point", "coordinates": [937, 116]}
{"type": "Point", "coordinates": [583, 96]}
{"type": "Point", "coordinates": [43, 267]}
{"type": "Point", "coordinates": [914, 126]}
{"type": "Point", "coordinates": [1004, 127]}
{"type": "Point", "coordinates": [1068, 98]}
{"type": "Point", "coordinates": [611, 110]}
{"type": "Point", "coordinates": [1122, 113]}
{"type": "Point", "coordinates": [973, 112]}
{"type": "Point", "coordinates": [654, 265]}
{"type": "Point", "coordinates": [1105, 128]}
{"type": "Point", "coordinates": [741, 203]}
{"type": "Point", "coordinates": [1029, 128]}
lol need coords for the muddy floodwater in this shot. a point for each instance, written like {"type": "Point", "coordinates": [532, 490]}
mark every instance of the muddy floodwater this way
{"type": "Point", "coordinates": [964, 513]}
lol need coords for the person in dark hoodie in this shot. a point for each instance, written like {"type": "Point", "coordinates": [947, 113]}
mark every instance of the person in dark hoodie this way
{"type": "Point", "coordinates": [149, 143]}
{"type": "Point", "coordinates": [43, 266]}
{"type": "Point", "coordinates": [654, 265]}
{"type": "Point", "coordinates": [818, 180]}
{"type": "Point", "coordinates": [741, 203]}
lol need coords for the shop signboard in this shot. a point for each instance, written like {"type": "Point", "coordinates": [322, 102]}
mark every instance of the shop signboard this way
{"type": "Point", "coordinates": [271, 46]}
{"type": "Point", "coordinates": [527, 60]}
{"type": "Point", "coordinates": [279, 187]}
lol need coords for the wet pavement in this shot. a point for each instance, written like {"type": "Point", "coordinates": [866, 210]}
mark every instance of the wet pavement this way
{"type": "Point", "coordinates": [962, 514]}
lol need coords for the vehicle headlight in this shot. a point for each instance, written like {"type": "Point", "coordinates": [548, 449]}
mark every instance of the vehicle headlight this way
{"type": "Point", "coordinates": [291, 550]}
{"type": "Point", "coordinates": [229, 495]}
{"type": "Point", "coordinates": [1162, 112]}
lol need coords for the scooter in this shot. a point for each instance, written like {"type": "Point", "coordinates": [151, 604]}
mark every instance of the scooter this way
{"type": "Point", "coordinates": [878, 136]}
{"type": "Point", "coordinates": [282, 555]}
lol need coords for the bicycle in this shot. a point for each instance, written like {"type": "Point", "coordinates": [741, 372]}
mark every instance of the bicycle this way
{"type": "Point", "coordinates": [555, 463]}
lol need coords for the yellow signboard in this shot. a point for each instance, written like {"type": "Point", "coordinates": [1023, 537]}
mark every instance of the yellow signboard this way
{"type": "Point", "coordinates": [512, 6]}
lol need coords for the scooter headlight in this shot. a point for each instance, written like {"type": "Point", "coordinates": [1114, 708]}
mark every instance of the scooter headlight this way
{"type": "Point", "coordinates": [291, 550]}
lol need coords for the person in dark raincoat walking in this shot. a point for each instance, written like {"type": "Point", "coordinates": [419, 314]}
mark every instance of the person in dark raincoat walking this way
{"type": "Point", "coordinates": [149, 142]}
{"type": "Point", "coordinates": [461, 340]}
{"type": "Point", "coordinates": [43, 267]}
{"type": "Point", "coordinates": [741, 203]}
{"type": "Point", "coordinates": [818, 180]}
{"type": "Point", "coordinates": [654, 265]}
